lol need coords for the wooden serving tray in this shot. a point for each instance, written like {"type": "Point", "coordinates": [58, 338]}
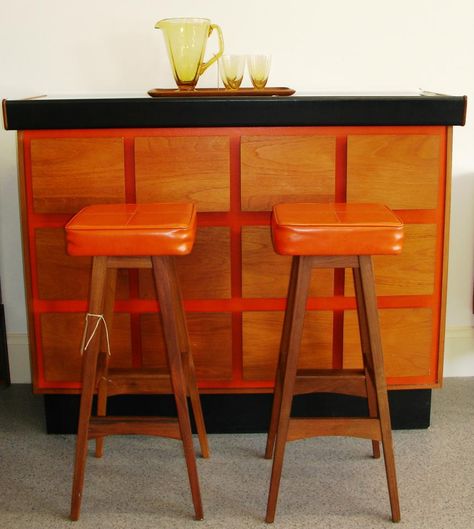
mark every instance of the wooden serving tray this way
{"type": "Point", "coordinates": [221, 92]}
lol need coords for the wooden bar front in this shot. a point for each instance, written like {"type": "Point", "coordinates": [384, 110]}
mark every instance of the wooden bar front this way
{"type": "Point", "coordinates": [234, 284]}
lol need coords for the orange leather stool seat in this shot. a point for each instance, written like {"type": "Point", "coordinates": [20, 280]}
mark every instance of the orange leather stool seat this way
{"type": "Point", "coordinates": [335, 229]}
{"type": "Point", "coordinates": [150, 236]}
{"type": "Point", "coordinates": [132, 229]}
{"type": "Point", "coordinates": [332, 236]}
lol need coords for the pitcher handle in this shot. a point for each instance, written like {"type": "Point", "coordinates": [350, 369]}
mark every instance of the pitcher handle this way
{"type": "Point", "coordinates": [213, 59]}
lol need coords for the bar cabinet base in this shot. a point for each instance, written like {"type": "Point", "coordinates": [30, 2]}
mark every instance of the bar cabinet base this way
{"type": "Point", "coordinates": [245, 413]}
{"type": "Point", "coordinates": [4, 363]}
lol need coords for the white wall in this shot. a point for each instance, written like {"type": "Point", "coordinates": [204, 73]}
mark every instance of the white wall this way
{"type": "Point", "coordinates": [62, 47]}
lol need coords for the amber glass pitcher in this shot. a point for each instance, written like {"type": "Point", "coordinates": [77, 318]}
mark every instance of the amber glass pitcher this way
{"type": "Point", "coordinates": [186, 40]}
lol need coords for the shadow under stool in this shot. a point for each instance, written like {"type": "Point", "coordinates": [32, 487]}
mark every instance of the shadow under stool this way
{"type": "Point", "coordinates": [332, 236]}
{"type": "Point", "coordinates": [135, 236]}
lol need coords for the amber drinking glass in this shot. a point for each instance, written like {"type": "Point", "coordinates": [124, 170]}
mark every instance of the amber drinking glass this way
{"type": "Point", "coordinates": [259, 69]}
{"type": "Point", "coordinates": [231, 68]}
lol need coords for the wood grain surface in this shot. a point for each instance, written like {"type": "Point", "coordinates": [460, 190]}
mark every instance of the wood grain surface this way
{"type": "Point", "coordinates": [401, 171]}
{"type": "Point", "coordinates": [286, 168]}
{"type": "Point", "coordinates": [70, 173]}
{"type": "Point", "coordinates": [177, 169]}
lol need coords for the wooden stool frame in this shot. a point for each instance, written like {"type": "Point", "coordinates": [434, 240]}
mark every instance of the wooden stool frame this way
{"type": "Point", "coordinates": [368, 382]}
{"type": "Point", "coordinates": [96, 374]}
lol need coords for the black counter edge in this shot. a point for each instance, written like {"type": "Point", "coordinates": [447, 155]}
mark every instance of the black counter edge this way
{"type": "Point", "coordinates": [40, 114]}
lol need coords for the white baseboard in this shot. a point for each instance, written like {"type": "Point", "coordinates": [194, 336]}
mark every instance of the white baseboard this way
{"type": "Point", "coordinates": [19, 358]}
{"type": "Point", "coordinates": [458, 354]}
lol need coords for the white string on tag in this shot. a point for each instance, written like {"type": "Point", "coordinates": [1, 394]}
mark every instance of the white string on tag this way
{"type": "Point", "coordinates": [99, 318]}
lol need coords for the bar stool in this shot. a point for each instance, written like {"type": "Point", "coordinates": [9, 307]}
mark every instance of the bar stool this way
{"type": "Point", "coordinates": [135, 236]}
{"type": "Point", "coordinates": [332, 236]}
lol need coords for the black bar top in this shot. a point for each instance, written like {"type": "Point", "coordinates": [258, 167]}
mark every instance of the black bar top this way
{"type": "Point", "coordinates": [424, 108]}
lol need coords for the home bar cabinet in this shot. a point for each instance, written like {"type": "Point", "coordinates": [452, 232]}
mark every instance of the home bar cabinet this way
{"type": "Point", "coordinates": [235, 157]}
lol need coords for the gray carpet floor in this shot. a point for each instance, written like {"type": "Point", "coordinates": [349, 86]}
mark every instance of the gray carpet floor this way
{"type": "Point", "coordinates": [327, 483]}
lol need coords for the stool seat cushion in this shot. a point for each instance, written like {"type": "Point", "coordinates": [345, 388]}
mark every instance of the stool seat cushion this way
{"type": "Point", "coordinates": [132, 229]}
{"type": "Point", "coordinates": [335, 229]}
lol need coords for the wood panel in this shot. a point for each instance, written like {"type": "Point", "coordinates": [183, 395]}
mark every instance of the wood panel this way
{"type": "Point", "coordinates": [185, 168]}
{"type": "Point", "coordinates": [211, 342]}
{"type": "Point", "coordinates": [61, 336]}
{"type": "Point", "coordinates": [410, 273]}
{"type": "Point", "coordinates": [265, 274]}
{"type": "Point", "coordinates": [205, 272]}
{"type": "Point", "coordinates": [261, 333]}
{"type": "Point", "coordinates": [407, 340]}
{"type": "Point", "coordinates": [286, 168]}
{"type": "Point", "coordinates": [61, 276]}
{"type": "Point", "coordinates": [401, 171]}
{"type": "Point", "coordinates": [70, 173]}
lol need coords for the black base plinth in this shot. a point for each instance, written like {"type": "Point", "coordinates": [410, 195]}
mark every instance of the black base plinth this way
{"type": "Point", "coordinates": [4, 365]}
{"type": "Point", "coordinates": [245, 413]}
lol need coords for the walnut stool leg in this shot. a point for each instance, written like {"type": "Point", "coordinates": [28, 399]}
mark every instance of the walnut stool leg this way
{"type": "Point", "coordinates": [104, 354]}
{"type": "Point", "coordinates": [366, 354]}
{"type": "Point", "coordinates": [101, 397]}
{"type": "Point", "coordinates": [188, 362]}
{"type": "Point", "coordinates": [164, 280]}
{"type": "Point", "coordinates": [89, 366]}
{"type": "Point", "coordinates": [285, 334]}
{"type": "Point", "coordinates": [370, 301]}
{"type": "Point", "coordinates": [190, 375]}
{"type": "Point", "coordinates": [296, 320]}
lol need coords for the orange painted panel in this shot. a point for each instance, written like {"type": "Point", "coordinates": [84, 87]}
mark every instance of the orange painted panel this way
{"type": "Point", "coordinates": [410, 273]}
{"type": "Point", "coordinates": [265, 274]}
{"type": "Point", "coordinates": [401, 171]}
{"type": "Point", "coordinates": [407, 341]}
{"type": "Point", "coordinates": [61, 337]}
{"type": "Point", "coordinates": [211, 343]}
{"type": "Point", "coordinates": [261, 340]}
{"type": "Point", "coordinates": [287, 168]}
{"type": "Point", "coordinates": [183, 168]}
{"type": "Point", "coordinates": [70, 173]}
{"type": "Point", "coordinates": [205, 272]}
